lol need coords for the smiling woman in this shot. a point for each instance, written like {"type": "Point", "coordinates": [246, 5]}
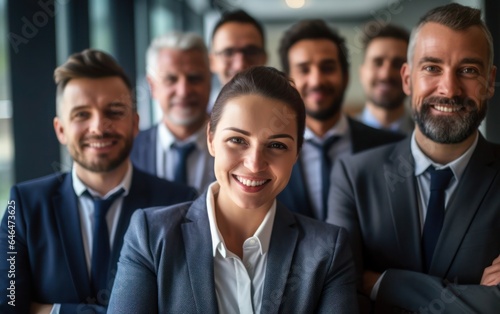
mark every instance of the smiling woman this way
{"type": "Point", "coordinates": [236, 249]}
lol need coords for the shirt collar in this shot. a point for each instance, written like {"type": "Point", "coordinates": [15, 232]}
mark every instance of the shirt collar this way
{"type": "Point", "coordinates": [422, 162]}
{"type": "Point", "coordinates": [79, 187]}
{"type": "Point", "coordinates": [166, 138]}
{"type": "Point", "coordinates": [340, 129]}
{"type": "Point", "coordinates": [369, 119]}
{"type": "Point", "coordinates": [262, 235]}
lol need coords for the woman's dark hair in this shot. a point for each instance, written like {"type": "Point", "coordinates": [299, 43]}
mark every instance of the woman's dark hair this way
{"type": "Point", "coordinates": [267, 82]}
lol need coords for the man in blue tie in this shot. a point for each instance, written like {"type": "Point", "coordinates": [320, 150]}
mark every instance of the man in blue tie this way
{"type": "Point", "coordinates": [316, 58]}
{"type": "Point", "coordinates": [423, 214]}
{"type": "Point", "coordinates": [61, 234]}
{"type": "Point", "coordinates": [179, 77]}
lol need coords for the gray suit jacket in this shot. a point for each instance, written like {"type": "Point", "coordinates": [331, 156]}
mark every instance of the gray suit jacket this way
{"type": "Point", "coordinates": [295, 196]}
{"type": "Point", "coordinates": [166, 265]}
{"type": "Point", "coordinates": [439, 295]}
{"type": "Point", "coordinates": [374, 196]}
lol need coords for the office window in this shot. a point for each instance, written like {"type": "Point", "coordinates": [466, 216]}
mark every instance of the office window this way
{"type": "Point", "coordinates": [6, 142]}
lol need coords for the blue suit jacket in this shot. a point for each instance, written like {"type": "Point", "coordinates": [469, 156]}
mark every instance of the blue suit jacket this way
{"type": "Point", "coordinates": [375, 197]}
{"type": "Point", "coordinates": [166, 265]}
{"type": "Point", "coordinates": [295, 196]}
{"type": "Point", "coordinates": [50, 264]}
{"type": "Point", "coordinates": [143, 155]}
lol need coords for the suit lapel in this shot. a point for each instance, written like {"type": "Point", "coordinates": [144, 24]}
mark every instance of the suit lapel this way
{"type": "Point", "coordinates": [281, 249]}
{"type": "Point", "coordinates": [357, 138]}
{"type": "Point", "coordinates": [148, 150]}
{"type": "Point", "coordinates": [199, 256]}
{"type": "Point", "coordinates": [477, 177]}
{"type": "Point", "coordinates": [68, 223]}
{"type": "Point", "coordinates": [399, 173]}
{"type": "Point", "coordinates": [135, 199]}
{"type": "Point", "coordinates": [150, 154]}
{"type": "Point", "coordinates": [299, 190]}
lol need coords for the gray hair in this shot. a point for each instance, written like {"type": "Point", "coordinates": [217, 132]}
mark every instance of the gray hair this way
{"type": "Point", "coordinates": [174, 40]}
{"type": "Point", "coordinates": [457, 17]}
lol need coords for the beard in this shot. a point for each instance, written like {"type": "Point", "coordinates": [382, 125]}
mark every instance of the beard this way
{"type": "Point", "coordinates": [388, 102]}
{"type": "Point", "coordinates": [450, 129]}
{"type": "Point", "coordinates": [331, 110]}
{"type": "Point", "coordinates": [104, 163]}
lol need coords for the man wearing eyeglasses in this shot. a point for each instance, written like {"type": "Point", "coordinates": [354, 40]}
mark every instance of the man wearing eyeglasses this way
{"type": "Point", "coordinates": [237, 44]}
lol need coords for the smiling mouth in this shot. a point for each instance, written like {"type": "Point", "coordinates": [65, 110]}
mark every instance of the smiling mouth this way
{"type": "Point", "coordinates": [250, 183]}
{"type": "Point", "coordinates": [447, 108]}
{"type": "Point", "coordinates": [99, 144]}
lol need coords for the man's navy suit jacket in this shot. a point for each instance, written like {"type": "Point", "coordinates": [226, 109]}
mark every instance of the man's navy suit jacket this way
{"type": "Point", "coordinates": [50, 264]}
{"type": "Point", "coordinates": [143, 154]}
{"type": "Point", "coordinates": [166, 265]}
{"type": "Point", "coordinates": [375, 197]}
{"type": "Point", "coordinates": [295, 196]}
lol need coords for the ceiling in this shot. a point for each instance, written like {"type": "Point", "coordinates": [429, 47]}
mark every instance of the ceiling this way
{"type": "Point", "coordinates": [279, 10]}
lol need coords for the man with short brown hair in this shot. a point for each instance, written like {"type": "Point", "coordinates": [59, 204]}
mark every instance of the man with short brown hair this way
{"type": "Point", "coordinates": [64, 231]}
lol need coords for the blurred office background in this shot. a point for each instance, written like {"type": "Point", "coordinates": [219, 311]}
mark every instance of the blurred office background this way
{"type": "Point", "coordinates": [38, 35]}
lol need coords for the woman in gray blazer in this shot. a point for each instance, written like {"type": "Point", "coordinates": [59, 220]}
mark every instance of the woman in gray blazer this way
{"type": "Point", "coordinates": [235, 249]}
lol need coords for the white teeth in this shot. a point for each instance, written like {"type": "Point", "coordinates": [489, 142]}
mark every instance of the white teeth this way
{"type": "Point", "coordinates": [447, 109]}
{"type": "Point", "coordinates": [99, 144]}
{"type": "Point", "coordinates": [250, 182]}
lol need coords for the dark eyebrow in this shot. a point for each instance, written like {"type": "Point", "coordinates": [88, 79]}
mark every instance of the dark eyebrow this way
{"type": "Point", "coordinates": [430, 59]}
{"type": "Point", "coordinates": [473, 61]}
{"type": "Point", "coordinates": [79, 107]}
{"type": "Point", "coordinates": [464, 60]}
{"type": "Point", "coordinates": [238, 130]}
{"type": "Point", "coordinates": [274, 136]}
{"type": "Point", "coordinates": [117, 104]}
{"type": "Point", "coordinates": [281, 136]}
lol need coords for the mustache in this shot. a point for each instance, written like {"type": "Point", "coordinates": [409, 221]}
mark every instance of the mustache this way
{"type": "Point", "coordinates": [103, 136]}
{"type": "Point", "coordinates": [321, 88]}
{"type": "Point", "coordinates": [453, 101]}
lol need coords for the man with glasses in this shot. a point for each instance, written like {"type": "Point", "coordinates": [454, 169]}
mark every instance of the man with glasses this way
{"type": "Point", "coordinates": [237, 44]}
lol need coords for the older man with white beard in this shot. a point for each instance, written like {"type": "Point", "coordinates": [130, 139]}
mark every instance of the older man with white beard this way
{"type": "Point", "coordinates": [179, 77]}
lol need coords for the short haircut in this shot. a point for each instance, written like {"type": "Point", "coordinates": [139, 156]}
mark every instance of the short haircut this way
{"type": "Point", "coordinates": [239, 16]}
{"type": "Point", "coordinates": [454, 16]}
{"type": "Point", "coordinates": [266, 82]}
{"type": "Point", "coordinates": [89, 63]}
{"type": "Point", "coordinates": [388, 31]}
{"type": "Point", "coordinates": [312, 29]}
{"type": "Point", "coordinates": [174, 40]}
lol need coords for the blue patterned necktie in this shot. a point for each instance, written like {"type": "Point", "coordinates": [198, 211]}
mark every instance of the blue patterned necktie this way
{"type": "Point", "coordinates": [326, 167]}
{"type": "Point", "coordinates": [180, 174]}
{"type": "Point", "coordinates": [100, 242]}
{"type": "Point", "coordinates": [440, 179]}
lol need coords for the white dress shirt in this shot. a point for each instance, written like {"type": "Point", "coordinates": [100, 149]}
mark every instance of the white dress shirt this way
{"type": "Point", "coordinates": [239, 283]}
{"type": "Point", "coordinates": [422, 163]}
{"type": "Point", "coordinates": [86, 212]}
{"type": "Point", "coordinates": [311, 159]}
{"type": "Point", "coordinates": [199, 163]}
{"type": "Point", "coordinates": [400, 125]}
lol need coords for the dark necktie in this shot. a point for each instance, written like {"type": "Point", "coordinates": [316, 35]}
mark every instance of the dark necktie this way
{"type": "Point", "coordinates": [100, 242]}
{"type": "Point", "coordinates": [435, 212]}
{"type": "Point", "coordinates": [180, 174]}
{"type": "Point", "coordinates": [326, 167]}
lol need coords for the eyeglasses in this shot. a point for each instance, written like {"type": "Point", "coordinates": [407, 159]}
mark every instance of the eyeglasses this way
{"type": "Point", "coordinates": [250, 53]}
